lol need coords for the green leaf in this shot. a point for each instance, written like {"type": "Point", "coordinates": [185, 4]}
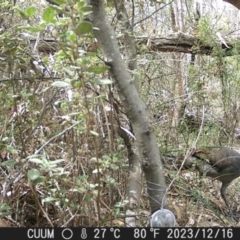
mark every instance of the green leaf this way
{"type": "Point", "coordinates": [83, 28]}
{"type": "Point", "coordinates": [94, 133]}
{"type": "Point", "coordinates": [39, 180]}
{"type": "Point", "coordinates": [35, 160]}
{"type": "Point", "coordinates": [49, 199]}
{"type": "Point", "coordinates": [80, 4]}
{"type": "Point", "coordinates": [4, 209]}
{"type": "Point", "coordinates": [22, 14]}
{"type": "Point", "coordinates": [87, 9]}
{"type": "Point", "coordinates": [31, 29]}
{"type": "Point", "coordinates": [11, 149]}
{"type": "Point", "coordinates": [31, 11]}
{"type": "Point", "coordinates": [60, 1]}
{"type": "Point", "coordinates": [98, 69]}
{"type": "Point", "coordinates": [57, 161]}
{"type": "Point", "coordinates": [48, 15]}
{"type": "Point", "coordinates": [8, 163]}
{"type": "Point", "coordinates": [77, 84]}
{"type": "Point", "coordinates": [71, 36]}
{"type": "Point", "coordinates": [111, 181]}
{"type": "Point", "coordinates": [33, 175]}
{"type": "Point", "coordinates": [61, 84]}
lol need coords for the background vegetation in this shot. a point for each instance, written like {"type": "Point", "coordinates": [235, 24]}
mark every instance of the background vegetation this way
{"type": "Point", "coordinates": [62, 160]}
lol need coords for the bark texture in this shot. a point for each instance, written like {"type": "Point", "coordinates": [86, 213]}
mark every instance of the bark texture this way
{"type": "Point", "coordinates": [136, 109]}
{"type": "Point", "coordinates": [134, 190]}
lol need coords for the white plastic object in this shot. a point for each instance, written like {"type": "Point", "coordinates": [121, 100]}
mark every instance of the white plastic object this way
{"type": "Point", "coordinates": [162, 218]}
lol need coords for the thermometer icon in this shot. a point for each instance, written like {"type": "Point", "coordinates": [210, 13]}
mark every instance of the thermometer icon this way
{"type": "Point", "coordinates": [84, 233]}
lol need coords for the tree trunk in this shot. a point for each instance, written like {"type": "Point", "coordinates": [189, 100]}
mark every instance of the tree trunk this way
{"type": "Point", "coordinates": [136, 109]}
{"type": "Point", "coordinates": [134, 190]}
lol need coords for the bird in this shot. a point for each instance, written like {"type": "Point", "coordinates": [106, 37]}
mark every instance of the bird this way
{"type": "Point", "coordinates": [221, 163]}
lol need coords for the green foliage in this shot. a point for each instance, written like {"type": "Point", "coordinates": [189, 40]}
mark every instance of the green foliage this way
{"type": "Point", "coordinates": [47, 166]}
{"type": "Point", "coordinates": [98, 69]}
{"type": "Point", "coordinates": [9, 163]}
{"type": "Point", "coordinates": [61, 84]}
{"type": "Point", "coordinates": [49, 15]}
{"type": "Point", "coordinates": [60, 1]}
{"type": "Point", "coordinates": [58, 116]}
{"type": "Point", "coordinates": [31, 28]}
{"type": "Point", "coordinates": [205, 30]}
{"type": "Point", "coordinates": [83, 28]}
{"type": "Point", "coordinates": [22, 13]}
{"type": "Point", "coordinates": [55, 105]}
{"type": "Point", "coordinates": [4, 209]}
{"type": "Point", "coordinates": [34, 176]}
{"type": "Point", "coordinates": [31, 11]}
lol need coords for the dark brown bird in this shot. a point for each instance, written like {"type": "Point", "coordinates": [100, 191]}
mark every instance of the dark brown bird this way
{"type": "Point", "coordinates": [221, 163]}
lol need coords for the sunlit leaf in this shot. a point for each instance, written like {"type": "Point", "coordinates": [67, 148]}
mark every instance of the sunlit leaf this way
{"type": "Point", "coordinates": [105, 81]}
{"type": "Point", "coordinates": [49, 199]}
{"type": "Point", "coordinates": [61, 84]}
{"type": "Point", "coordinates": [35, 160]}
{"type": "Point", "coordinates": [94, 133]}
{"type": "Point", "coordinates": [48, 15]}
{"type": "Point", "coordinates": [31, 11]}
{"type": "Point", "coordinates": [80, 4]}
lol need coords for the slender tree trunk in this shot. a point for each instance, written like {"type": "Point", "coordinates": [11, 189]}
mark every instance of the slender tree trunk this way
{"type": "Point", "coordinates": [135, 171]}
{"type": "Point", "coordinates": [136, 109]}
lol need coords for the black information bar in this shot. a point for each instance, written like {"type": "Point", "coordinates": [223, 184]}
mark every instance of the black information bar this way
{"type": "Point", "coordinates": [119, 233]}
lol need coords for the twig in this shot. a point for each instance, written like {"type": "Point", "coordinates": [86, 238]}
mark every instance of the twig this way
{"type": "Point", "coordinates": [39, 119]}
{"type": "Point", "coordinates": [152, 13]}
{"type": "Point", "coordinates": [187, 154]}
{"type": "Point", "coordinates": [58, 135]}
{"type": "Point", "coordinates": [39, 204]}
